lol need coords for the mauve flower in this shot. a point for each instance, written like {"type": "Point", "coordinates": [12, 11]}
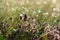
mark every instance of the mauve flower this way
{"type": "Point", "coordinates": [34, 29]}
{"type": "Point", "coordinates": [21, 16]}
{"type": "Point", "coordinates": [9, 37]}
{"type": "Point", "coordinates": [35, 37]}
{"type": "Point", "coordinates": [25, 17]}
{"type": "Point", "coordinates": [56, 31]}
{"type": "Point", "coordinates": [19, 25]}
{"type": "Point", "coordinates": [56, 36]}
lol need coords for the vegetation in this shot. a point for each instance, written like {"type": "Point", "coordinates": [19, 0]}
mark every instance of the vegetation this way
{"type": "Point", "coordinates": [12, 26]}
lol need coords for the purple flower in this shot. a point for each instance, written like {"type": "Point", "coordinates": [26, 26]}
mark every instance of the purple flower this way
{"type": "Point", "coordinates": [35, 37]}
{"type": "Point", "coordinates": [21, 16]}
{"type": "Point", "coordinates": [25, 17]}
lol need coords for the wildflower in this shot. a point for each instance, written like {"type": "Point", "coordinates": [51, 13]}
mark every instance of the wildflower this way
{"type": "Point", "coordinates": [56, 34]}
{"type": "Point", "coordinates": [56, 37]}
{"type": "Point", "coordinates": [33, 20]}
{"type": "Point", "coordinates": [25, 17]}
{"type": "Point", "coordinates": [9, 37]}
{"type": "Point", "coordinates": [35, 37]}
{"type": "Point", "coordinates": [21, 16]}
{"type": "Point", "coordinates": [56, 31]}
{"type": "Point", "coordinates": [34, 29]}
{"type": "Point", "coordinates": [14, 30]}
{"type": "Point", "coordinates": [19, 25]}
{"type": "Point", "coordinates": [3, 27]}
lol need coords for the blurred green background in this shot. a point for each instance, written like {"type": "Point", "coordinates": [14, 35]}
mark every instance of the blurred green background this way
{"type": "Point", "coordinates": [43, 10]}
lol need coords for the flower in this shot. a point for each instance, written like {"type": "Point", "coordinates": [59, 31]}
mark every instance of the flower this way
{"type": "Point", "coordinates": [35, 37]}
{"type": "Point", "coordinates": [21, 16]}
{"type": "Point", "coordinates": [14, 30]}
{"type": "Point", "coordinates": [19, 25]}
{"type": "Point", "coordinates": [25, 17]}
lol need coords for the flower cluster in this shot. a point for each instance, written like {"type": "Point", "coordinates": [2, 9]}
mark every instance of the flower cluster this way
{"type": "Point", "coordinates": [28, 29]}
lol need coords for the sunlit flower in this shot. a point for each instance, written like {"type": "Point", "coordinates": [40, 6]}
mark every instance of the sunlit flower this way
{"type": "Point", "coordinates": [39, 11]}
{"type": "Point", "coordinates": [27, 1]}
{"type": "Point", "coordinates": [54, 1]}
{"type": "Point", "coordinates": [45, 13]}
{"type": "Point", "coordinates": [55, 16]}
{"type": "Point", "coordinates": [37, 3]}
{"type": "Point", "coordinates": [54, 9]}
{"type": "Point", "coordinates": [14, 30]}
{"type": "Point", "coordinates": [45, 2]}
